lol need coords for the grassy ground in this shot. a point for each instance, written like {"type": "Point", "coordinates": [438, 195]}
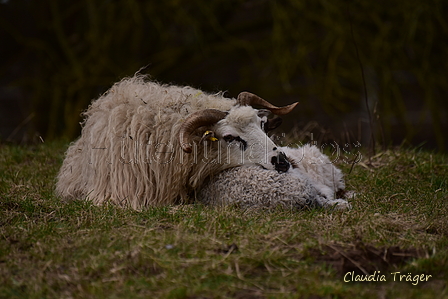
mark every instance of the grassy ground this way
{"type": "Point", "coordinates": [52, 249]}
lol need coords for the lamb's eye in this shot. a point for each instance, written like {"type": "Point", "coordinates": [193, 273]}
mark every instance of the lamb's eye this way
{"type": "Point", "coordinates": [228, 138]}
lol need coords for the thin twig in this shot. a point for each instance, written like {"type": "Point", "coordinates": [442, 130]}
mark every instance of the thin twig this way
{"type": "Point", "coordinates": [354, 162]}
{"type": "Point", "coordinates": [20, 126]}
{"type": "Point", "coordinates": [372, 137]}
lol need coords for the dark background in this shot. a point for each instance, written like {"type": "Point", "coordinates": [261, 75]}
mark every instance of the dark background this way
{"type": "Point", "coordinates": [56, 56]}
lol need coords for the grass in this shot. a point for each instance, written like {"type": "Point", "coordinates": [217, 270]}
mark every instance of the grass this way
{"type": "Point", "coordinates": [54, 249]}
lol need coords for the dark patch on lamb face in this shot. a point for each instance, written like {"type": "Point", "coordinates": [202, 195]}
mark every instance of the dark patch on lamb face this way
{"type": "Point", "coordinates": [229, 138]}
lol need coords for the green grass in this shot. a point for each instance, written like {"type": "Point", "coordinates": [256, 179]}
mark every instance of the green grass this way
{"type": "Point", "coordinates": [55, 249]}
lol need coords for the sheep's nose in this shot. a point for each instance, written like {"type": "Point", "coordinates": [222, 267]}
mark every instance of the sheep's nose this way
{"type": "Point", "coordinates": [280, 162]}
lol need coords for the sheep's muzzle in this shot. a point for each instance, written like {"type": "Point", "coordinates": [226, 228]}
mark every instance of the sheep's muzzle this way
{"type": "Point", "coordinates": [280, 162]}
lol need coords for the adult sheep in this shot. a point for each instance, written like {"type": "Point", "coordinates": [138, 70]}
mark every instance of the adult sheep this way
{"type": "Point", "coordinates": [313, 182]}
{"type": "Point", "coordinates": [146, 144]}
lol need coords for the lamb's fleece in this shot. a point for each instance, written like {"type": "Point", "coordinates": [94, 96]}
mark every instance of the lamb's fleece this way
{"type": "Point", "coordinates": [312, 183]}
{"type": "Point", "coordinates": [309, 160]}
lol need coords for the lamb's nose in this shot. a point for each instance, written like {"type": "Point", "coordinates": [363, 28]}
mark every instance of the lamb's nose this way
{"type": "Point", "coordinates": [280, 162]}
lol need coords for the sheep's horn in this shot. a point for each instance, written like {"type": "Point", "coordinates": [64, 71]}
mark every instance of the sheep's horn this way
{"type": "Point", "coordinates": [249, 99]}
{"type": "Point", "coordinates": [195, 120]}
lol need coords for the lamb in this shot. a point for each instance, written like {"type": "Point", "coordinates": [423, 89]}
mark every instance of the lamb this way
{"type": "Point", "coordinates": [313, 182]}
{"type": "Point", "coordinates": [147, 144]}
{"type": "Point", "coordinates": [310, 161]}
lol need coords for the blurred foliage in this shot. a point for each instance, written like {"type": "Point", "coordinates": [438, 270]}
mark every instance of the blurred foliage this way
{"type": "Point", "coordinates": [65, 53]}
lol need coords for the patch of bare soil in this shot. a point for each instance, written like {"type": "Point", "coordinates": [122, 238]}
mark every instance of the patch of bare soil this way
{"type": "Point", "coordinates": [363, 258]}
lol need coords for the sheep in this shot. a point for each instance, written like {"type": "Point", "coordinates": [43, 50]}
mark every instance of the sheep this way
{"type": "Point", "coordinates": [313, 182]}
{"type": "Point", "coordinates": [146, 144]}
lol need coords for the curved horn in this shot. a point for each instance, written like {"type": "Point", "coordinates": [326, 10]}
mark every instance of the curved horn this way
{"type": "Point", "coordinates": [196, 120]}
{"type": "Point", "coordinates": [249, 99]}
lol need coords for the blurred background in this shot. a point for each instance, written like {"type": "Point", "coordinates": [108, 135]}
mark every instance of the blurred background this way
{"type": "Point", "coordinates": [361, 70]}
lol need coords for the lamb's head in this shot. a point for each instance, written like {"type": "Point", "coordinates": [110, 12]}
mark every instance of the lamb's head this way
{"type": "Point", "coordinates": [240, 132]}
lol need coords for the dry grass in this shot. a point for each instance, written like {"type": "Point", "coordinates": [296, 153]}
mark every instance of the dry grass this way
{"type": "Point", "coordinates": [52, 249]}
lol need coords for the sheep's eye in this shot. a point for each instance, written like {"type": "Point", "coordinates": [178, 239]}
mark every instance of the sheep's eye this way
{"type": "Point", "coordinates": [228, 138]}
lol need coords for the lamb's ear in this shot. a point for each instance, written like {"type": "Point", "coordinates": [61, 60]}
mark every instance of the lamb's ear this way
{"type": "Point", "coordinates": [272, 124]}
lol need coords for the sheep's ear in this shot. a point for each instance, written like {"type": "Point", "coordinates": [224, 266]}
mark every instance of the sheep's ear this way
{"type": "Point", "coordinates": [263, 113]}
{"type": "Point", "coordinates": [272, 124]}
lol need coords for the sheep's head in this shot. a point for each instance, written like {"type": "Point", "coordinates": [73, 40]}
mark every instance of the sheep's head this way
{"type": "Point", "coordinates": [240, 131]}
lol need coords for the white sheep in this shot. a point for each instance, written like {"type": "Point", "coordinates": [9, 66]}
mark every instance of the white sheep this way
{"type": "Point", "coordinates": [313, 182]}
{"type": "Point", "coordinates": [146, 144]}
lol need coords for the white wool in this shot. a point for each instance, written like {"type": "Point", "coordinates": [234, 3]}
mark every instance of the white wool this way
{"type": "Point", "coordinates": [116, 158]}
{"type": "Point", "coordinates": [313, 183]}
{"type": "Point", "coordinates": [129, 152]}
{"type": "Point", "coordinates": [243, 116]}
{"type": "Point", "coordinates": [310, 161]}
